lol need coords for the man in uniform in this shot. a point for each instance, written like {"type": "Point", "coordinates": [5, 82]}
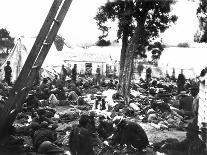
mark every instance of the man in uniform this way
{"type": "Point", "coordinates": [8, 71]}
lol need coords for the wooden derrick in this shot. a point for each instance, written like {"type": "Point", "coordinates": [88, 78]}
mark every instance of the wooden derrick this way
{"type": "Point", "coordinates": [34, 62]}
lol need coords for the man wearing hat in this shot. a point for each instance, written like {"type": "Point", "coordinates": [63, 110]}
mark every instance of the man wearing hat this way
{"type": "Point", "coordinates": [192, 143]}
{"type": "Point", "coordinates": [8, 71]}
{"type": "Point", "coordinates": [129, 133]}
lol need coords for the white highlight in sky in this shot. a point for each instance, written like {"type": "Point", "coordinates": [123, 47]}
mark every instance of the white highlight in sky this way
{"type": "Point", "coordinates": [25, 17]}
{"type": "Point", "coordinates": [186, 25]}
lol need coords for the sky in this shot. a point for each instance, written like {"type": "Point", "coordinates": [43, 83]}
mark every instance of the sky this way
{"type": "Point", "coordinates": [25, 17]}
{"type": "Point", "coordinates": [186, 25]}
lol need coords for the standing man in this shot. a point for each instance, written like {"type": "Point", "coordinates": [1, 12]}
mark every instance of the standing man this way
{"type": "Point", "coordinates": [63, 73]}
{"type": "Point", "coordinates": [140, 69]}
{"type": "Point", "coordinates": [98, 75]}
{"type": "Point", "coordinates": [180, 82]}
{"type": "Point", "coordinates": [68, 70]}
{"type": "Point", "coordinates": [148, 74]}
{"type": "Point", "coordinates": [74, 73]}
{"type": "Point", "coordinates": [8, 71]}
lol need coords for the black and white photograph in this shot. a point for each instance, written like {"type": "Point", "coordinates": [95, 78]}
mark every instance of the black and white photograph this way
{"type": "Point", "coordinates": [103, 77]}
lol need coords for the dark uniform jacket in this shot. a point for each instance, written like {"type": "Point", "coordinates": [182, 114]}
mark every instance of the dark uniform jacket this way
{"type": "Point", "coordinates": [131, 133]}
{"type": "Point", "coordinates": [81, 141]}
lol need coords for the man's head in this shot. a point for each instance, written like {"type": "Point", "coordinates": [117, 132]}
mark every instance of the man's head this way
{"type": "Point", "coordinates": [98, 95]}
{"type": "Point", "coordinates": [45, 80]}
{"type": "Point", "coordinates": [44, 124]}
{"type": "Point", "coordinates": [92, 114]}
{"type": "Point", "coordinates": [84, 120]}
{"type": "Point", "coordinates": [117, 120]}
{"type": "Point", "coordinates": [181, 71]}
{"type": "Point", "coordinates": [101, 117]}
{"type": "Point", "coordinates": [8, 62]}
{"type": "Point", "coordinates": [35, 126]}
{"type": "Point", "coordinates": [41, 112]}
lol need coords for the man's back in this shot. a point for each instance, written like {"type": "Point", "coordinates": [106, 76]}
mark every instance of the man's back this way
{"type": "Point", "coordinates": [7, 70]}
{"type": "Point", "coordinates": [80, 141]}
{"type": "Point", "coordinates": [186, 103]}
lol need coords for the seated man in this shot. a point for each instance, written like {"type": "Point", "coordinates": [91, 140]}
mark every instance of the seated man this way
{"type": "Point", "coordinates": [129, 133]}
{"type": "Point", "coordinates": [191, 144]}
{"type": "Point", "coordinates": [42, 115]}
{"type": "Point", "coordinates": [43, 139]}
{"type": "Point", "coordinates": [185, 105]}
{"type": "Point", "coordinates": [32, 101]}
{"type": "Point", "coordinates": [59, 93]}
{"type": "Point", "coordinates": [8, 139]}
{"type": "Point", "coordinates": [82, 139]}
{"type": "Point", "coordinates": [105, 127]}
{"type": "Point", "coordinates": [111, 84]}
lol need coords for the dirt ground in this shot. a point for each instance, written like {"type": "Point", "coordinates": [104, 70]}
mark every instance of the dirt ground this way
{"type": "Point", "coordinates": [154, 135]}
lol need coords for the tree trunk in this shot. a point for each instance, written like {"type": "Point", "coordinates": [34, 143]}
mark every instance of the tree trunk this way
{"type": "Point", "coordinates": [128, 67]}
{"type": "Point", "coordinates": [122, 57]}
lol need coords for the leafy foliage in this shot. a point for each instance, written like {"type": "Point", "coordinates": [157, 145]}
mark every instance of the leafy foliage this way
{"type": "Point", "coordinates": [202, 16]}
{"type": "Point", "coordinates": [156, 48]}
{"type": "Point", "coordinates": [184, 45]}
{"type": "Point", "coordinates": [153, 15]}
{"type": "Point", "coordinates": [112, 11]}
{"type": "Point", "coordinates": [103, 42]}
{"type": "Point", "coordinates": [6, 41]}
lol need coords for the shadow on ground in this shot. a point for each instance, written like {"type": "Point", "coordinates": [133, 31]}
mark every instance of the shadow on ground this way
{"type": "Point", "coordinates": [4, 151]}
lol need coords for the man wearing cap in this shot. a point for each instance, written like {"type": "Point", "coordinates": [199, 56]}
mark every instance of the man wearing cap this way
{"type": "Point", "coordinates": [129, 133]}
{"type": "Point", "coordinates": [192, 143]}
{"type": "Point", "coordinates": [8, 71]}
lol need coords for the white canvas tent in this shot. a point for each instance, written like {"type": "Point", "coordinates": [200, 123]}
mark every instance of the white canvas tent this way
{"type": "Point", "coordinates": [191, 60]}
{"type": "Point", "coordinates": [55, 59]}
{"type": "Point", "coordinates": [17, 58]}
{"type": "Point", "coordinates": [19, 53]}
